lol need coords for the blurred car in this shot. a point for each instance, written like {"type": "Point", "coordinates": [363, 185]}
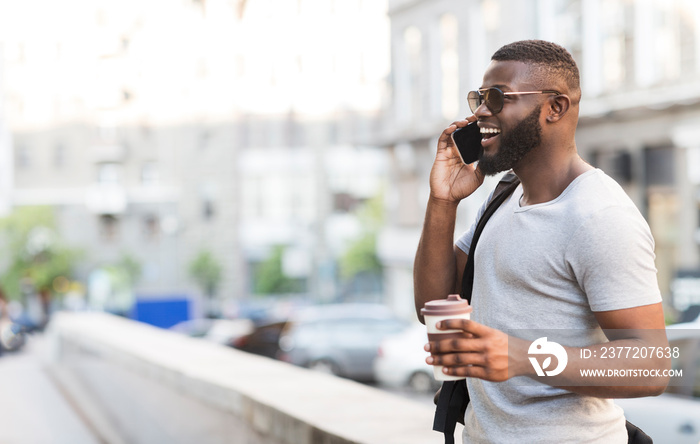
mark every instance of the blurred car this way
{"type": "Point", "coordinates": [341, 339]}
{"type": "Point", "coordinates": [220, 331]}
{"type": "Point", "coordinates": [12, 335]}
{"type": "Point", "coordinates": [674, 416]}
{"type": "Point", "coordinates": [401, 361]}
{"type": "Point", "coordinates": [264, 340]}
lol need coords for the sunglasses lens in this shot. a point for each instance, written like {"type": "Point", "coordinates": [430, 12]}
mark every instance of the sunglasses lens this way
{"type": "Point", "coordinates": [494, 99]}
{"type": "Point", "coordinates": [474, 100]}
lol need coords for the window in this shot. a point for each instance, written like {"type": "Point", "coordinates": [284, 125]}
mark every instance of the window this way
{"type": "Point", "coordinates": [666, 40]}
{"type": "Point", "coordinates": [208, 209]}
{"type": "Point", "coordinates": [413, 43]}
{"type": "Point", "coordinates": [150, 176]}
{"type": "Point", "coordinates": [109, 228]}
{"type": "Point", "coordinates": [449, 62]}
{"type": "Point", "coordinates": [59, 156]}
{"type": "Point", "coordinates": [150, 227]}
{"type": "Point", "coordinates": [109, 173]}
{"type": "Point", "coordinates": [208, 193]}
{"type": "Point", "coordinates": [659, 166]}
{"type": "Point", "coordinates": [617, 38]}
{"type": "Point", "coordinates": [689, 15]}
{"type": "Point", "coordinates": [23, 157]}
{"type": "Point", "coordinates": [615, 163]}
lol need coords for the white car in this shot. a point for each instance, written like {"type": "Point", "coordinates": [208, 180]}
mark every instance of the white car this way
{"type": "Point", "coordinates": [220, 331]}
{"type": "Point", "coordinates": [401, 361]}
{"type": "Point", "coordinates": [674, 416]}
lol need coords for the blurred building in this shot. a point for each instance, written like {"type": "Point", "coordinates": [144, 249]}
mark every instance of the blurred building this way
{"type": "Point", "coordinates": [640, 69]}
{"type": "Point", "coordinates": [6, 169]}
{"type": "Point", "coordinates": [158, 129]}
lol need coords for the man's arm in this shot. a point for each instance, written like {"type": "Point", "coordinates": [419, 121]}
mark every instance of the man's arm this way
{"type": "Point", "coordinates": [487, 355]}
{"type": "Point", "coordinates": [436, 270]}
{"type": "Point", "coordinates": [438, 264]}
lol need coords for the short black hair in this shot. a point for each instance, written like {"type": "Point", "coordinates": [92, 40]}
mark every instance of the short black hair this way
{"type": "Point", "coordinates": [550, 59]}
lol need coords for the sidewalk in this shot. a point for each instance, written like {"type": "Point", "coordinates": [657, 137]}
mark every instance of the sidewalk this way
{"type": "Point", "coordinates": [32, 409]}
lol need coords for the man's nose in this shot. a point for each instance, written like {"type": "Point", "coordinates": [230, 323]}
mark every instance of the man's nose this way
{"type": "Point", "coordinates": [483, 111]}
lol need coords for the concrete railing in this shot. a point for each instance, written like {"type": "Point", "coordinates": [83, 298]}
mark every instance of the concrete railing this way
{"type": "Point", "coordinates": [139, 384]}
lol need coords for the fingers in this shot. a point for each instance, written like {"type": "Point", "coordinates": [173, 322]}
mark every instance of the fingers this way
{"type": "Point", "coordinates": [457, 359]}
{"type": "Point", "coordinates": [466, 325]}
{"type": "Point", "coordinates": [466, 121]}
{"type": "Point", "coordinates": [458, 124]}
{"type": "Point", "coordinates": [471, 371]}
{"type": "Point", "coordinates": [476, 351]}
{"type": "Point", "coordinates": [466, 344]}
{"type": "Point", "coordinates": [486, 371]}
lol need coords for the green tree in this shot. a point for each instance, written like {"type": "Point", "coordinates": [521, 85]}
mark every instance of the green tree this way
{"type": "Point", "coordinates": [123, 276]}
{"type": "Point", "coordinates": [34, 252]}
{"type": "Point", "coordinates": [360, 257]}
{"type": "Point", "coordinates": [206, 270]}
{"type": "Point", "coordinates": [270, 277]}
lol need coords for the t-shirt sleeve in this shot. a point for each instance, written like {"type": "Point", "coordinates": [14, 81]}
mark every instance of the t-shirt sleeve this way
{"type": "Point", "coordinates": [464, 242]}
{"type": "Point", "coordinates": [612, 258]}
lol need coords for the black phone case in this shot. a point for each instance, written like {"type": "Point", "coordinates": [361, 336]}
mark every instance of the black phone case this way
{"type": "Point", "coordinates": [468, 141]}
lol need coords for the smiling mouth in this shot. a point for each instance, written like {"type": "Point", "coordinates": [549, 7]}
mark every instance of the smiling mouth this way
{"type": "Point", "coordinates": [487, 133]}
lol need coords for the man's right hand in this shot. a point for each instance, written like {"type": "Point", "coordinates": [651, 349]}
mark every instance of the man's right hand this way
{"type": "Point", "coordinates": [450, 179]}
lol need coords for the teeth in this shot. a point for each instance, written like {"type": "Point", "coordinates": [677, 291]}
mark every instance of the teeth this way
{"type": "Point", "coordinates": [490, 131]}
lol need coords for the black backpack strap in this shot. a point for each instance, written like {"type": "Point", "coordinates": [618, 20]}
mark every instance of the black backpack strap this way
{"type": "Point", "coordinates": [503, 190]}
{"type": "Point", "coordinates": [452, 402]}
{"type": "Point", "coordinates": [453, 397]}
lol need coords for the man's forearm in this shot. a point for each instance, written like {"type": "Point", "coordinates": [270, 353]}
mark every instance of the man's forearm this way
{"type": "Point", "coordinates": [620, 374]}
{"type": "Point", "coordinates": [614, 369]}
{"type": "Point", "coordinates": [434, 271]}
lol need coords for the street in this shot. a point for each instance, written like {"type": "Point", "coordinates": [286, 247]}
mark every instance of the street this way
{"type": "Point", "coordinates": [32, 409]}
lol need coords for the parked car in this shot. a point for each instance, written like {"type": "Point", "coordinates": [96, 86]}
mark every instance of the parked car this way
{"type": "Point", "coordinates": [220, 331]}
{"type": "Point", "coordinates": [401, 361]}
{"type": "Point", "coordinates": [264, 340]}
{"type": "Point", "coordinates": [674, 416]}
{"type": "Point", "coordinates": [341, 339]}
{"type": "Point", "coordinates": [12, 335]}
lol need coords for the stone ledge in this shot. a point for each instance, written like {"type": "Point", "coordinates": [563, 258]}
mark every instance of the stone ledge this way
{"type": "Point", "coordinates": [238, 397]}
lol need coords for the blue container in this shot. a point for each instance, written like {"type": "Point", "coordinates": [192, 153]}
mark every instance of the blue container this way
{"type": "Point", "coordinates": [163, 311]}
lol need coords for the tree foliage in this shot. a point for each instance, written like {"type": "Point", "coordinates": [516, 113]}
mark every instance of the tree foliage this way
{"type": "Point", "coordinates": [34, 252]}
{"type": "Point", "coordinates": [206, 270]}
{"type": "Point", "coordinates": [361, 255]}
{"type": "Point", "coordinates": [270, 277]}
{"type": "Point", "coordinates": [124, 273]}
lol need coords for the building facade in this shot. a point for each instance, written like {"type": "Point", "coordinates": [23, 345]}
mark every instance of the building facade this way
{"type": "Point", "coordinates": [158, 129]}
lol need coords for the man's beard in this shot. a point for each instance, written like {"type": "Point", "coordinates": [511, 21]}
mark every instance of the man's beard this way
{"type": "Point", "coordinates": [514, 145]}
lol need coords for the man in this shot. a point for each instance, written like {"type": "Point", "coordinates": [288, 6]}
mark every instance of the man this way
{"type": "Point", "coordinates": [567, 250]}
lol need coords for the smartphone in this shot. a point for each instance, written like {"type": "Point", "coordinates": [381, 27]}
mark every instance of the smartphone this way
{"type": "Point", "coordinates": [468, 142]}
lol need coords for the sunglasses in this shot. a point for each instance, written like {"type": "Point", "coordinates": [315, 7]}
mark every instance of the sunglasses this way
{"type": "Point", "coordinates": [494, 98]}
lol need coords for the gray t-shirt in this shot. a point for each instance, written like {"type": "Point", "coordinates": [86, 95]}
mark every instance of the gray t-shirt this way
{"type": "Point", "coordinates": [551, 266]}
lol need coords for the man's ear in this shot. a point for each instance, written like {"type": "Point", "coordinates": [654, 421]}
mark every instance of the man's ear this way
{"type": "Point", "coordinates": [558, 107]}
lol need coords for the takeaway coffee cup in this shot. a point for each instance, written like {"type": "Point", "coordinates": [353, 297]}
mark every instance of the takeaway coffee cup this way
{"type": "Point", "coordinates": [454, 307]}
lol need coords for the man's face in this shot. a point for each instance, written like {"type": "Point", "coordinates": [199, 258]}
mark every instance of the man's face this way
{"type": "Point", "coordinates": [516, 130]}
{"type": "Point", "coordinates": [515, 143]}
